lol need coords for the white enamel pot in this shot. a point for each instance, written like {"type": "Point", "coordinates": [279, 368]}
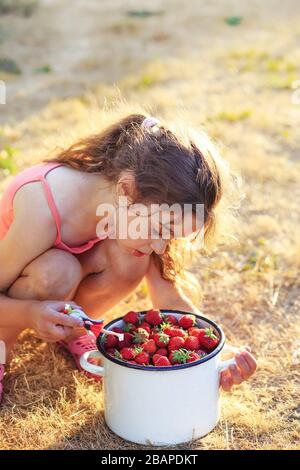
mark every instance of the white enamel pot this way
{"type": "Point", "coordinates": [160, 405]}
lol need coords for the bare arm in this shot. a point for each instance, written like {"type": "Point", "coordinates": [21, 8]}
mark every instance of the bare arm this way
{"type": "Point", "coordinates": [32, 233]}
{"type": "Point", "coordinates": [165, 294]}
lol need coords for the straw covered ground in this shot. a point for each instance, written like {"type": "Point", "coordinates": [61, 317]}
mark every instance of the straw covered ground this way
{"type": "Point", "coordinates": [232, 68]}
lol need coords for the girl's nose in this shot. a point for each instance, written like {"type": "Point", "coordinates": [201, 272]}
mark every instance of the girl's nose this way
{"type": "Point", "coordinates": [159, 246]}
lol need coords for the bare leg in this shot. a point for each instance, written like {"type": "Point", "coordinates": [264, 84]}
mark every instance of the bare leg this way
{"type": "Point", "coordinates": [58, 275]}
{"type": "Point", "coordinates": [55, 275]}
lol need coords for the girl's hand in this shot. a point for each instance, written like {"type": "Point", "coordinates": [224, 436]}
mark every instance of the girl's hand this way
{"type": "Point", "coordinates": [48, 321]}
{"type": "Point", "coordinates": [235, 375]}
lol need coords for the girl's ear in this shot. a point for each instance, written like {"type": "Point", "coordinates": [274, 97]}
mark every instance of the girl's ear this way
{"type": "Point", "coordinates": [126, 186]}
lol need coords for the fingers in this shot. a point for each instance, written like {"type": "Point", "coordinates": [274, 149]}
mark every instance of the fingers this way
{"type": "Point", "coordinates": [66, 320]}
{"type": "Point", "coordinates": [57, 333]}
{"type": "Point", "coordinates": [251, 362]}
{"type": "Point", "coordinates": [236, 374]}
{"type": "Point", "coordinates": [226, 381]}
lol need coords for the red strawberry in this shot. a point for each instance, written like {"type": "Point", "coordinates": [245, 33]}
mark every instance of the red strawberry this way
{"type": "Point", "coordinates": [145, 326]}
{"type": "Point", "coordinates": [140, 336]}
{"type": "Point", "coordinates": [194, 331]}
{"type": "Point", "coordinates": [142, 357]}
{"type": "Point", "coordinates": [111, 351]}
{"type": "Point", "coordinates": [149, 346]}
{"type": "Point", "coordinates": [191, 343]}
{"type": "Point", "coordinates": [171, 319]}
{"type": "Point", "coordinates": [187, 321]}
{"type": "Point", "coordinates": [129, 327]}
{"type": "Point", "coordinates": [132, 317]}
{"type": "Point", "coordinates": [201, 353]}
{"type": "Point", "coordinates": [117, 354]}
{"type": "Point", "coordinates": [110, 341]}
{"type": "Point", "coordinates": [164, 325]}
{"type": "Point", "coordinates": [173, 331]}
{"type": "Point", "coordinates": [208, 339]}
{"type": "Point", "coordinates": [132, 362]}
{"type": "Point", "coordinates": [154, 317]}
{"type": "Point", "coordinates": [176, 343]}
{"type": "Point", "coordinates": [127, 341]}
{"type": "Point", "coordinates": [193, 356]}
{"type": "Point", "coordinates": [162, 361]}
{"type": "Point", "coordinates": [162, 352]}
{"type": "Point", "coordinates": [155, 357]}
{"type": "Point", "coordinates": [161, 339]}
{"type": "Point", "coordinates": [127, 353]}
{"type": "Point", "coordinates": [117, 330]}
{"type": "Point", "coordinates": [180, 356]}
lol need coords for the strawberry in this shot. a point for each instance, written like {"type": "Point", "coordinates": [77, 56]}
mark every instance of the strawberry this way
{"type": "Point", "coordinates": [142, 357]}
{"type": "Point", "coordinates": [155, 357]}
{"type": "Point", "coordinates": [132, 317]}
{"type": "Point", "coordinates": [201, 353]}
{"type": "Point", "coordinates": [149, 346]}
{"type": "Point", "coordinates": [111, 351]}
{"type": "Point", "coordinates": [110, 341]}
{"type": "Point", "coordinates": [191, 343]}
{"type": "Point", "coordinates": [140, 335]}
{"type": "Point", "coordinates": [127, 353]}
{"type": "Point", "coordinates": [176, 343]}
{"type": "Point", "coordinates": [154, 317]}
{"type": "Point", "coordinates": [171, 319]}
{"type": "Point", "coordinates": [164, 325]}
{"type": "Point", "coordinates": [173, 331]}
{"type": "Point", "coordinates": [127, 341]}
{"type": "Point", "coordinates": [162, 361]}
{"type": "Point", "coordinates": [162, 352]}
{"type": "Point", "coordinates": [117, 330]}
{"type": "Point", "coordinates": [131, 362]}
{"type": "Point", "coordinates": [180, 356]}
{"type": "Point", "coordinates": [117, 354]}
{"type": "Point", "coordinates": [208, 339]}
{"type": "Point", "coordinates": [194, 331]}
{"type": "Point", "coordinates": [161, 339]}
{"type": "Point", "coordinates": [146, 326]}
{"type": "Point", "coordinates": [187, 321]}
{"type": "Point", "coordinates": [129, 327]}
{"type": "Point", "coordinates": [193, 356]}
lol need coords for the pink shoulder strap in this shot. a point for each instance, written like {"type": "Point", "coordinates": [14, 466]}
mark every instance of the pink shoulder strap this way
{"type": "Point", "coordinates": [50, 199]}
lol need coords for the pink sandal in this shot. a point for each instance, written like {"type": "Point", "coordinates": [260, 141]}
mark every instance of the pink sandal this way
{"type": "Point", "coordinates": [79, 346]}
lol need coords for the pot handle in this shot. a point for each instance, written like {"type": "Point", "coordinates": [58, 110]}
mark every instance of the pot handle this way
{"type": "Point", "coordinates": [229, 362]}
{"type": "Point", "coordinates": [93, 368]}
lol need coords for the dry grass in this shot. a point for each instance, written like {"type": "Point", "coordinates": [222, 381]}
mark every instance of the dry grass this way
{"type": "Point", "coordinates": [243, 95]}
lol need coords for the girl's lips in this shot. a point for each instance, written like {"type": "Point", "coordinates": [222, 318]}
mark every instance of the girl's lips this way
{"type": "Point", "coordinates": [139, 253]}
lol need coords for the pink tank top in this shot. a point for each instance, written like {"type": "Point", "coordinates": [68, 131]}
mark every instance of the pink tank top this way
{"type": "Point", "coordinates": [36, 173]}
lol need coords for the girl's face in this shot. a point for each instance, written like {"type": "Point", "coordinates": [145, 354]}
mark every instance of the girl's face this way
{"type": "Point", "coordinates": [148, 228]}
{"type": "Point", "coordinates": [144, 234]}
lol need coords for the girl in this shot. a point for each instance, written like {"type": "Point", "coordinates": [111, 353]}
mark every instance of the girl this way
{"type": "Point", "coordinates": [49, 253]}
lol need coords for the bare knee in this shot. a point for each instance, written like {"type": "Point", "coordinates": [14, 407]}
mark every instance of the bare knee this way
{"type": "Point", "coordinates": [53, 275]}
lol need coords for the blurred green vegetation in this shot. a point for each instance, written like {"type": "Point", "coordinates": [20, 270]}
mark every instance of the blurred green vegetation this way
{"type": "Point", "coordinates": [9, 66]}
{"type": "Point", "coordinates": [7, 159]}
{"type": "Point", "coordinates": [23, 7]}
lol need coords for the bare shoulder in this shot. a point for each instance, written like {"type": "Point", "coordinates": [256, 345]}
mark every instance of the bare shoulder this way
{"type": "Point", "coordinates": [31, 208]}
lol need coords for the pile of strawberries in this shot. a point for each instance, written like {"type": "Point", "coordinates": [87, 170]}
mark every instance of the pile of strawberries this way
{"type": "Point", "coordinates": [157, 339]}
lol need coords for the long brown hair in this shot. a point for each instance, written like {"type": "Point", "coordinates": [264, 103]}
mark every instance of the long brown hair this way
{"type": "Point", "coordinates": [169, 167]}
